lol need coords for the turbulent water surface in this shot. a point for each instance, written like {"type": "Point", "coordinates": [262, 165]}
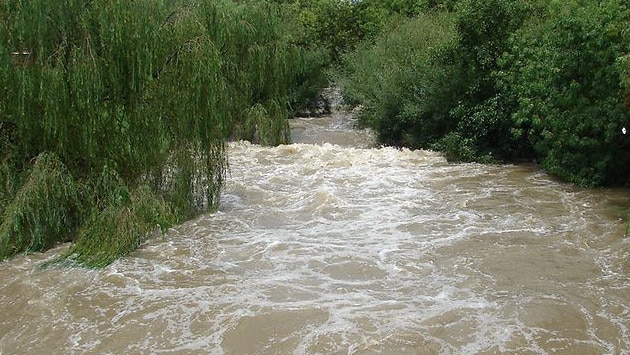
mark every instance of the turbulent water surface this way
{"type": "Point", "coordinates": [328, 246]}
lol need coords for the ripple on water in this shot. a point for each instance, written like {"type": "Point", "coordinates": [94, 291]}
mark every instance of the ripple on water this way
{"type": "Point", "coordinates": [325, 249]}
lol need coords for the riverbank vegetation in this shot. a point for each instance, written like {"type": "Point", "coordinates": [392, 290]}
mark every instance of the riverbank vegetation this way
{"type": "Point", "coordinates": [500, 80]}
{"type": "Point", "coordinates": [114, 114]}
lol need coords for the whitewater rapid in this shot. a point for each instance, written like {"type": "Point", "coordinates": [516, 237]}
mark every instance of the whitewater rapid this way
{"type": "Point", "coordinates": [334, 246]}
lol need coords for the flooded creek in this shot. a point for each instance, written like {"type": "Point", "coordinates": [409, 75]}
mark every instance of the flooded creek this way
{"type": "Point", "coordinates": [333, 246]}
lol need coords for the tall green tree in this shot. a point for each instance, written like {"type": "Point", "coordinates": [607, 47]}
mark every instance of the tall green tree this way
{"type": "Point", "coordinates": [114, 114]}
{"type": "Point", "coordinates": [340, 25]}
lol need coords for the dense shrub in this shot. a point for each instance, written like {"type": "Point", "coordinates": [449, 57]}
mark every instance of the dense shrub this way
{"type": "Point", "coordinates": [483, 110]}
{"type": "Point", "coordinates": [514, 80]}
{"type": "Point", "coordinates": [433, 75]}
{"type": "Point", "coordinates": [567, 77]}
{"type": "Point", "coordinates": [399, 82]}
{"type": "Point", "coordinates": [339, 25]}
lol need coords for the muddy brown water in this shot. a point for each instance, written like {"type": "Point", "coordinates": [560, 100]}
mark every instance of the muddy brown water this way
{"type": "Point", "coordinates": [330, 246]}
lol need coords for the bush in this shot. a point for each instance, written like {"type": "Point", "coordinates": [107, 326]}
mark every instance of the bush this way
{"type": "Point", "coordinates": [339, 25]}
{"type": "Point", "coordinates": [435, 75]}
{"type": "Point", "coordinates": [399, 82]}
{"type": "Point", "coordinates": [483, 110]}
{"type": "Point", "coordinates": [458, 149]}
{"type": "Point", "coordinates": [566, 75]}
{"type": "Point", "coordinates": [514, 80]}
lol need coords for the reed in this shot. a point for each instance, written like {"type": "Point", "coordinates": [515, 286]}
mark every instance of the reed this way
{"type": "Point", "coordinates": [142, 94]}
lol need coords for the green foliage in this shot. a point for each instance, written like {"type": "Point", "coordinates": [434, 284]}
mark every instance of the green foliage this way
{"type": "Point", "coordinates": [407, 8]}
{"type": "Point", "coordinates": [535, 79]}
{"type": "Point", "coordinates": [10, 180]}
{"type": "Point", "coordinates": [434, 75]}
{"type": "Point", "coordinates": [120, 228]}
{"type": "Point", "coordinates": [44, 209]}
{"type": "Point", "coordinates": [623, 64]}
{"type": "Point", "coordinates": [263, 129]}
{"type": "Point", "coordinates": [457, 148]}
{"type": "Point", "coordinates": [134, 100]}
{"type": "Point", "coordinates": [310, 80]}
{"type": "Point", "coordinates": [566, 77]}
{"type": "Point", "coordinates": [483, 110]}
{"type": "Point", "coordinates": [309, 77]}
{"type": "Point", "coordinates": [399, 83]}
{"type": "Point", "coordinates": [339, 25]}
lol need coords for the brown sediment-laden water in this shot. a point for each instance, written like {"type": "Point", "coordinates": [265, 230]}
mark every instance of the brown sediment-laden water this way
{"type": "Point", "coordinates": [332, 246]}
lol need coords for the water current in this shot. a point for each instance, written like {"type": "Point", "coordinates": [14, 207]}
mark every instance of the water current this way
{"type": "Point", "coordinates": [332, 246]}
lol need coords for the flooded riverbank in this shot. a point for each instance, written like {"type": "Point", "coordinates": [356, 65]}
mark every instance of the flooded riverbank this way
{"type": "Point", "coordinates": [333, 246]}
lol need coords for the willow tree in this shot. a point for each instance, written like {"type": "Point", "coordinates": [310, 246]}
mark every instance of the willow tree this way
{"type": "Point", "coordinates": [114, 115]}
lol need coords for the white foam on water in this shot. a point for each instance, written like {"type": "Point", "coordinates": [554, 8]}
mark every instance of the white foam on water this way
{"type": "Point", "coordinates": [321, 248]}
